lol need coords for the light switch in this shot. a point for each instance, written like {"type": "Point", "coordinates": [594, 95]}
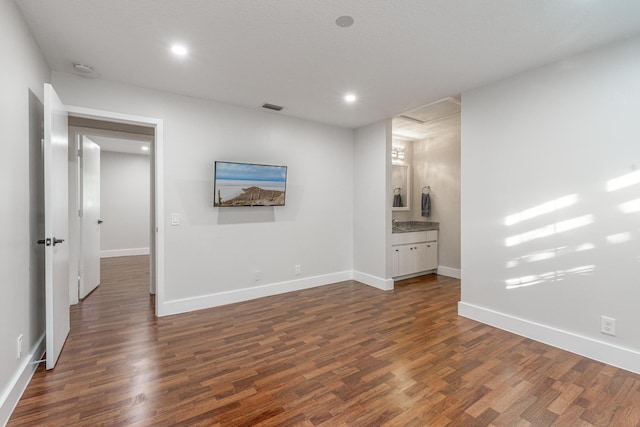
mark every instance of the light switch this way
{"type": "Point", "coordinates": [175, 219]}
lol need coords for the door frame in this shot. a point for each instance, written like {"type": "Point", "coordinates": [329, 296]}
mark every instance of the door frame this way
{"type": "Point", "coordinates": [75, 198]}
{"type": "Point", "coordinates": [156, 244]}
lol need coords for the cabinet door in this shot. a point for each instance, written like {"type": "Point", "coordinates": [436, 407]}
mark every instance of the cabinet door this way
{"type": "Point", "coordinates": [405, 260]}
{"type": "Point", "coordinates": [395, 255]}
{"type": "Point", "coordinates": [414, 258]}
{"type": "Point", "coordinates": [421, 257]}
{"type": "Point", "coordinates": [431, 255]}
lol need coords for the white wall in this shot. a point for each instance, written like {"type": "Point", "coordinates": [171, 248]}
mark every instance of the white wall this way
{"type": "Point", "coordinates": [437, 165]}
{"type": "Point", "coordinates": [21, 287]}
{"type": "Point", "coordinates": [550, 142]}
{"type": "Point", "coordinates": [211, 258]}
{"type": "Point", "coordinates": [124, 203]}
{"type": "Point", "coordinates": [372, 212]}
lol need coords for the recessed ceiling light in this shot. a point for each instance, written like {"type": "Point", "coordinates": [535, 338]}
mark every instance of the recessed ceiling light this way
{"type": "Point", "coordinates": [344, 21]}
{"type": "Point", "coordinates": [145, 148]}
{"type": "Point", "coordinates": [350, 97]}
{"type": "Point", "coordinates": [179, 50]}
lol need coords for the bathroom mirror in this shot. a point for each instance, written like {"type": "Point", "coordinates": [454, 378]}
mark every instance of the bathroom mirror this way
{"type": "Point", "coordinates": [400, 187]}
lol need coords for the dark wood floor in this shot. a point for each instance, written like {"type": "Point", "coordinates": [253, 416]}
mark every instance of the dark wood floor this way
{"type": "Point", "coordinates": [343, 354]}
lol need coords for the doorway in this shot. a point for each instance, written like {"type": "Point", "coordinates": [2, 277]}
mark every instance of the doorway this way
{"type": "Point", "coordinates": [112, 196]}
{"type": "Point", "coordinates": [117, 133]}
{"type": "Point", "coordinates": [427, 141]}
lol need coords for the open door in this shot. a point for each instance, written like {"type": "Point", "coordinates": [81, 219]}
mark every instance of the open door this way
{"type": "Point", "coordinates": [56, 224]}
{"type": "Point", "coordinates": [90, 255]}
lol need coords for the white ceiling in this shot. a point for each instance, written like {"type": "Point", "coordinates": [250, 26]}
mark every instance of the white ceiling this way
{"type": "Point", "coordinates": [398, 55]}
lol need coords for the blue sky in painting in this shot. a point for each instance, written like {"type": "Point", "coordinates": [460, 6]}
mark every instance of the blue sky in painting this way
{"type": "Point", "coordinates": [250, 172]}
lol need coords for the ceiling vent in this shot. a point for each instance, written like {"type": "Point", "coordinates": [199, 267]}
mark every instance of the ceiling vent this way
{"type": "Point", "coordinates": [82, 68]}
{"type": "Point", "coordinates": [411, 118]}
{"type": "Point", "coordinates": [272, 107]}
{"type": "Point", "coordinates": [427, 120]}
{"type": "Point", "coordinates": [437, 110]}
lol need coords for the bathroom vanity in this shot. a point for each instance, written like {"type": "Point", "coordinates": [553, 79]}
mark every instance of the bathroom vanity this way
{"type": "Point", "coordinates": [414, 249]}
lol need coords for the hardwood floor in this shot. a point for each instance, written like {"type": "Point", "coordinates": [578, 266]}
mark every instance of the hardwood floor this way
{"type": "Point", "coordinates": [343, 354]}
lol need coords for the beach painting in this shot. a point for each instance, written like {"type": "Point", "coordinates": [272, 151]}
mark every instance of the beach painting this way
{"type": "Point", "coordinates": [249, 184]}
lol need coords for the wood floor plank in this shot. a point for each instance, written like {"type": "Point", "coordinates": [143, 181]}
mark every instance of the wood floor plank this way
{"type": "Point", "coordinates": [340, 355]}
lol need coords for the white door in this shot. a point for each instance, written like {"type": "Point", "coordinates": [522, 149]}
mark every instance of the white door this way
{"type": "Point", "coordinates": [56, 224]}
{"type": "Point", "coordinates": [90, 252]}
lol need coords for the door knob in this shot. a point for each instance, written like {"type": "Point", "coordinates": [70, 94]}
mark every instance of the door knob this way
{"type": "Point", "coordinates": [56, 241]}
{"type": "Point", "coordinates": [100, 221]}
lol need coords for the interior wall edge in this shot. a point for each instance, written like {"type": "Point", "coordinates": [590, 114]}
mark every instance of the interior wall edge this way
{"type": "Point", "coordinates": [456, 273]}
{"type": "Point", "coordinates": [373, 281]}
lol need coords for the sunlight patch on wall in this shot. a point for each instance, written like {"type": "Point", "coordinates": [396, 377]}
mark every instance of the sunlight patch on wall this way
{"type": "Point", "coordinates": [557, 276]}
{"type": "Point", "coordinates": [535, 256]}
{"type": "Point", "coordinates": [623, 181]}
{"type": "Point", "coordinates": [585, 247]}
{"type": "Point", "coordinates": [548, 254]}
{"type": "Point", "coordinates": [545, 208]}
{"type": "Point", "coordinates": [549, 230]}
{"type": "Point", "coordinates": [615, 239]}
{"type": "Point", "coordinates": [630, 207]}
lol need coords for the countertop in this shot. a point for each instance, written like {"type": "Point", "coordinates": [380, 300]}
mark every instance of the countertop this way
{"type": "Point", "coordinates": [411, 226]}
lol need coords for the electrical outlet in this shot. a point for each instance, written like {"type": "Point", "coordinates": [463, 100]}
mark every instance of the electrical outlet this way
{"type": "Point", "coordinates": [608, 325]}
{"type": "Point", "coordinates": [175, 219]}
{"type": "Point", "coordinates": [19, 346]}
{"type": "Point", "coordinates": [298, 271]}
{"type": "Point", "coordinates": [258, 275]}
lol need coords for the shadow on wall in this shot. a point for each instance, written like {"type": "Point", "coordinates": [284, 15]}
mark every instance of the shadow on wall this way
{"type": "Point", "coordinates": [36, 214]}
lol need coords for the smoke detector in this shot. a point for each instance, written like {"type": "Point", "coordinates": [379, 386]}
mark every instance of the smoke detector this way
{"type": "Point", "coordinates": [82, 68]}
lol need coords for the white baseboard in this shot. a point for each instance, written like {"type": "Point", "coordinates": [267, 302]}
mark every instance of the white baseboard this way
{"type": "Point", "coordinates": [589, 347]}
{"type": "Point", "coordinates": [112, 253]}
{"type": "Point", "coordinates": [11, 395]}
{"type": "Point", "coordinates": [449, 272]}
{"type": "Point", "coordinates": [376, 282]}
{"type": "Point", "coordinates": [229, 297]}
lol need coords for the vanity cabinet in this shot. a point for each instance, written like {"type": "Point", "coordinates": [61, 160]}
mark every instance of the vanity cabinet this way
{"type": "Point", "coordinates": [414, 252]}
